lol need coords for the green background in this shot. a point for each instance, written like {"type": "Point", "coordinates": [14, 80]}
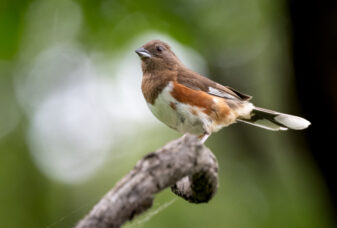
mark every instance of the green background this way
{"type": "Point", "coordinates": [267, 179]}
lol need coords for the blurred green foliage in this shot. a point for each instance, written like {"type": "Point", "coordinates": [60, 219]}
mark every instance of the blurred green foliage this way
{"type": "Point", "coordinates": [267, 179]}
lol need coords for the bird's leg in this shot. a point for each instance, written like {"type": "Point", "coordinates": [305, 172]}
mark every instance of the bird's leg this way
{"type": "Point", "coordinates": [204, 137]}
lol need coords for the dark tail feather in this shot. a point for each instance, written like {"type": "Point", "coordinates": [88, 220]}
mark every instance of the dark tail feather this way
{"type": "Point", "coordinates": [275, 121]}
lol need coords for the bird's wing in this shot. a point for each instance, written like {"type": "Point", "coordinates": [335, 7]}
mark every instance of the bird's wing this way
{"type": "Point", "coordinates": [198, 82]}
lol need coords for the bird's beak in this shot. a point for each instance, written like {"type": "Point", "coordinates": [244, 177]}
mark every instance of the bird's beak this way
{"type": "Point", "coordinates": [143, 53]}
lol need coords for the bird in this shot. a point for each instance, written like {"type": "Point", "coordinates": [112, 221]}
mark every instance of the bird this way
{"type": "Point", "coordinates": [191, 103]}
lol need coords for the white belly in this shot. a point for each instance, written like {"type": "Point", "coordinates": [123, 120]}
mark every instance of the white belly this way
{"type": "Point", "coordinates": [180, 117]}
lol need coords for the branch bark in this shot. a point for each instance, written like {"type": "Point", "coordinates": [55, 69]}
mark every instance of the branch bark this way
{"type": "Point", "coordinates": [184, 164]}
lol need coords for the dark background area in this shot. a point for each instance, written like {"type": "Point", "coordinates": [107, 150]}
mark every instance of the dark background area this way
{"type": "Point", "coordinates": [314, 49]}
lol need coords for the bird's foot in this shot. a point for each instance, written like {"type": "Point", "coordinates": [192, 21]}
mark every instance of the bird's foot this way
{"type": "Point", "coordinates": [204, 137]}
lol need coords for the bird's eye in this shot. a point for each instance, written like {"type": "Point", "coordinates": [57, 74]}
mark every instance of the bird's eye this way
{"type": "Point", "coordinates": [159, 48]}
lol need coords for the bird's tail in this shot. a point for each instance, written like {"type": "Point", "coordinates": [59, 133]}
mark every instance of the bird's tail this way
{"type": "Point", "coordinates": [275, 121]}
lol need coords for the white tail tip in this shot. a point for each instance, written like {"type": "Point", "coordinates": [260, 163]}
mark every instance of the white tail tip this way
{"type": "Point", "coordinates": [293, 122]}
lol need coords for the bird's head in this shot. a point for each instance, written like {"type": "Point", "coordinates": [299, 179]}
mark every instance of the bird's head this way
{"type": "Point", "coordinates": [157, 55]}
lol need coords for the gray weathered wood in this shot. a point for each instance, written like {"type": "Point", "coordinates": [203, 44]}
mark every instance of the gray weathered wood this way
{"type": "Point", "coordinates": [185, 164]}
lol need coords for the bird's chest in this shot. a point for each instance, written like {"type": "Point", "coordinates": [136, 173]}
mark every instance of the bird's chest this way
{"type": "Point", "coordinates": [182, 117]}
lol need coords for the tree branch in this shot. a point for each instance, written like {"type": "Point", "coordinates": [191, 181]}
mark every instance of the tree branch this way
{"type": "Point", "coordinates": [185, 164]}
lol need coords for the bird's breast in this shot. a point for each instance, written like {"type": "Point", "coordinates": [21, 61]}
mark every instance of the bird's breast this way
{"type": "Point", "coordinates": [177, 115]}
{"type": "Point", "coordinates": [192, 111]}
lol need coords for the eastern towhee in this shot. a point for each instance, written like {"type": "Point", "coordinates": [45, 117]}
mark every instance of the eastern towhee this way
{"type": "Point", "coordinates": [189, 102]}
